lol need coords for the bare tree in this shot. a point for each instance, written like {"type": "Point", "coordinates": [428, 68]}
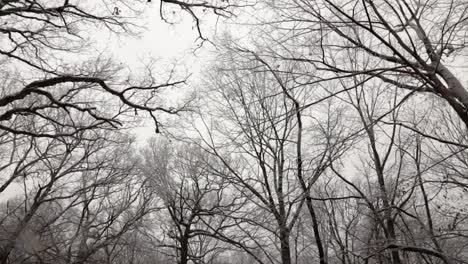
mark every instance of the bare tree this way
{"type": "Point", "coordinates": [59, 116]}
{"type": "Point", "coordinates": [256, 133]}
{"type": "Point", "coordinates": [41, 41]}
{"type": "Point", "coordinates": [195, 201]}
{"type": "Point", "coordinates": [409, 44]}
{"type": "Point", "coordinates": [79, 197]}
{"type": "Point", "coordinates": [399, 196]}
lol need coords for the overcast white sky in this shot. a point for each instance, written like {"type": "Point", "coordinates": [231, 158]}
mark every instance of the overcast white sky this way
{"type": "Point", "coordinates": [160, 39]}
{"type": "Point", "coordinates": [166, 43]}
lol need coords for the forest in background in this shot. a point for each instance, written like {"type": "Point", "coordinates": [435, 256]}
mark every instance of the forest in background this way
{"type": "Point", "coordinates": [327, 131]}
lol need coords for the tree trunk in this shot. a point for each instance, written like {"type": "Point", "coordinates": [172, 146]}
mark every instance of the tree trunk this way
{"type": "Point", "coordinates": [184, 246]}
{"type": "Point", "coordinates": [285, 247]}
{"type": "Point", "coordinates": [389, 223]}
{"type": "Point", "coordinates": [4, 255]}
{"type": "Point", "coordinates": [315, 225]}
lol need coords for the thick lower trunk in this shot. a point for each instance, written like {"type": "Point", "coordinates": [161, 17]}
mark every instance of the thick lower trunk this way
{"type": "Point", "coordinates": [4, 256]}
{"type": "Point", "coordinates": [183, 255]}
{"type": "Point", "coordinates": [391, 233]}
{"type": "Point", "coordinates": [184, 246]}
{"type": "Point", "coordinates": [389, 228]}
{"type": "Point", "coordinates": [315, 225]}
{"type": "Point", "coordinates": [285, 247]}
{"type": "Point", "coordinates": [390, 225]}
